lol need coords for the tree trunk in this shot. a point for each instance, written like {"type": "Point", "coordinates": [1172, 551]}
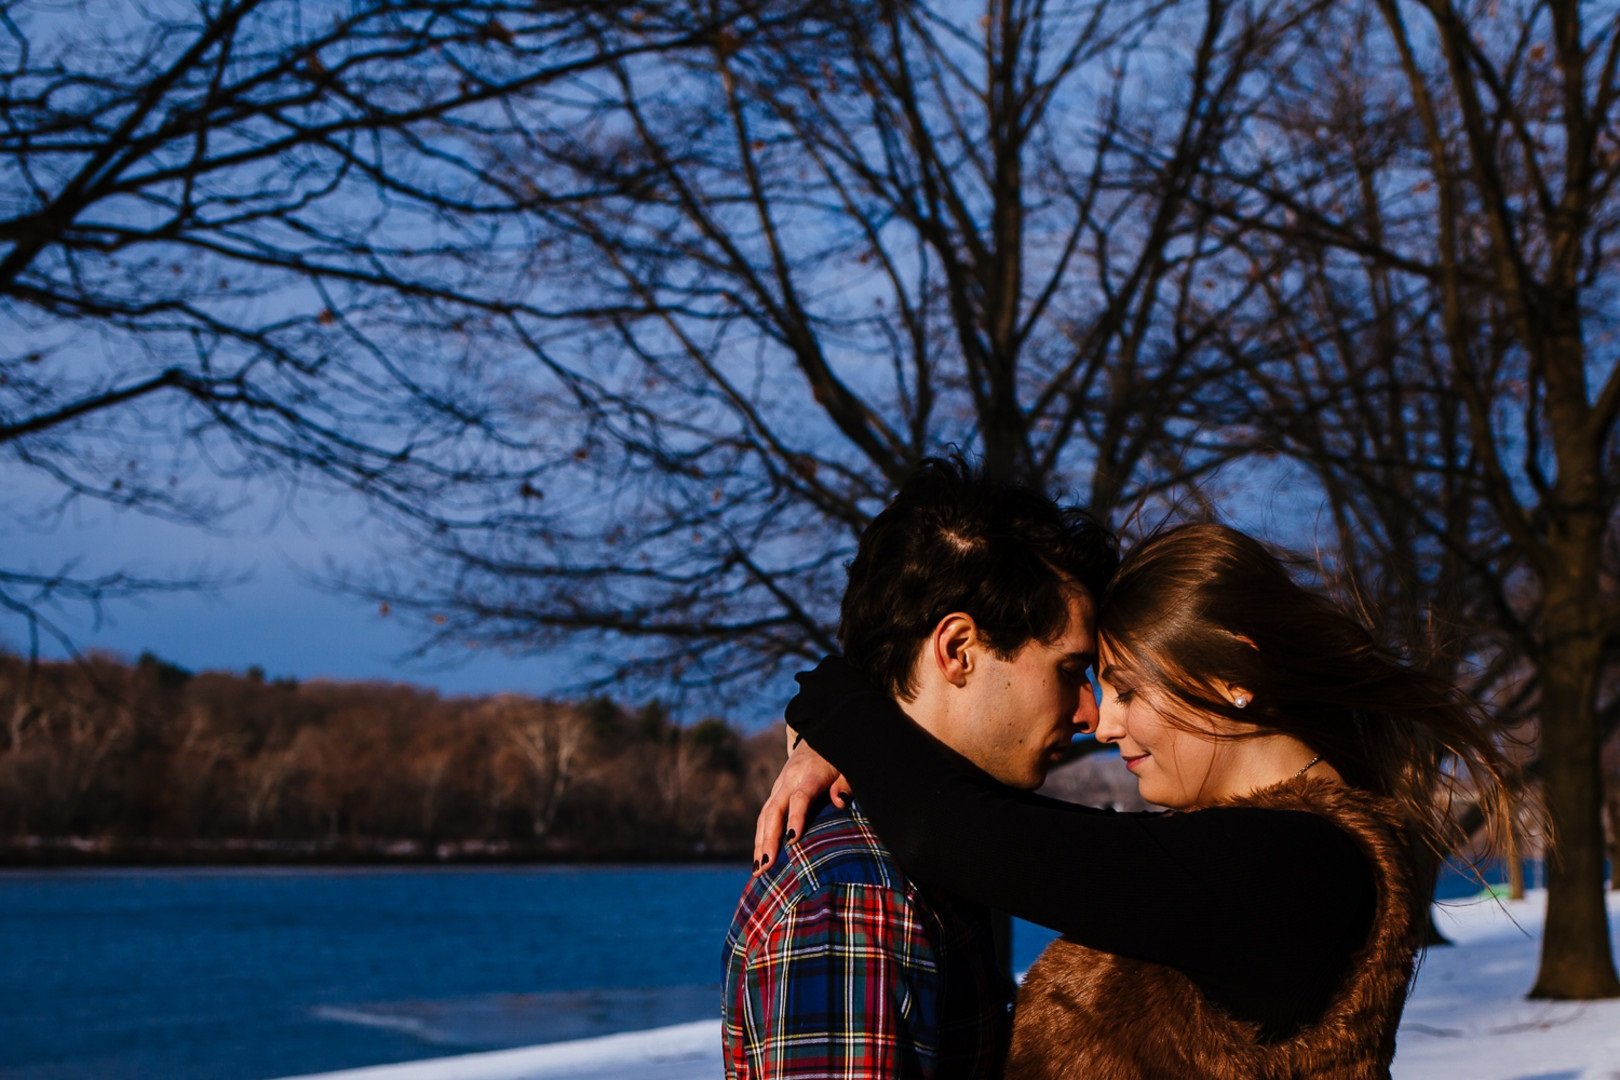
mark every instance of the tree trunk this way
{"type": "Point", "coordinates": [1577, 958]}
{"type": "Point", "coordinates": [1614, 836]}
{"type": "Point", "coordinates": [1577, 961]}
{"type": "Point", "coordinates": [1429, 868]}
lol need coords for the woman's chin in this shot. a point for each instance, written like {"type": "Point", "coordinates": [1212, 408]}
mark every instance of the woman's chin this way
{"type": "Point", "coordinates": [1157, 795]}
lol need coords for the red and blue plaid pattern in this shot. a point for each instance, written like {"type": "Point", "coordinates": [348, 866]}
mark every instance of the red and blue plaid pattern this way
{"type": "Point", "coordinates": [837, 967]}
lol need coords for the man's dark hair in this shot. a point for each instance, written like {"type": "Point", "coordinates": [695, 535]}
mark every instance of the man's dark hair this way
{"type": "Point", "coordinates": [953, 540]}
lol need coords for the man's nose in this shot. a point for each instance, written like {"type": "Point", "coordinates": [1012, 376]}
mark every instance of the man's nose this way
{"type": "Point", "coordinates": [1085, 713]}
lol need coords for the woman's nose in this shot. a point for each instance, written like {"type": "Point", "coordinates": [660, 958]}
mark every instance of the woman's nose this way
{"type": "Point", "coordinates": [1109, 727]}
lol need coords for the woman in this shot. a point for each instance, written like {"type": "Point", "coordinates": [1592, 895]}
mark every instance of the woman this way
{"type": "Point", "coordinates": [1269, 927]}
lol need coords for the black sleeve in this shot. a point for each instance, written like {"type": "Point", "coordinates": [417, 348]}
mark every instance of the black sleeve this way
{"type": "Point", "coordinates": [1210, 892]}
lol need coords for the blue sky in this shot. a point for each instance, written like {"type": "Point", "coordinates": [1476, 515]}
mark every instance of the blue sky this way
{"type": "Point", "coordinates": [278, 618]}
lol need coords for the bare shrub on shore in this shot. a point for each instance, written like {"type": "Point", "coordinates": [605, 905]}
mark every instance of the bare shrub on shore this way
{"type": "Point", "coordinates": [151, 758]}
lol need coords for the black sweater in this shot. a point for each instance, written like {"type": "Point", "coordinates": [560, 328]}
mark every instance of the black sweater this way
{"type": "Point", "coordinates": [1262, 909]}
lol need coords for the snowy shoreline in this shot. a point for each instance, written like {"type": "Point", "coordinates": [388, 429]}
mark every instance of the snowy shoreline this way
{"type": "Point", "coordinates": [1468, 1019]}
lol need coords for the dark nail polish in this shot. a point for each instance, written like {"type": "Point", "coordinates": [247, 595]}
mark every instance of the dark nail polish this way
{"type": "Point", "coordinates": [765, 860]}
{"type": "Point", "coordinates": [756, 864]}
{"type": "Point", "coordinates": [792, 833]}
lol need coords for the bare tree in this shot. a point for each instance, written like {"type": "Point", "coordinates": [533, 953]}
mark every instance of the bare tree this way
{"type": "Point", "coordinates": [630, 314]}
{"type": "Point", "coordinates": [265, 778]}
{"type": "Point", "coordinates": [85, 738]}
{"type": "Point", "coordinates": [546, 743]}
{"type": "Point", "coordinates": [1343, 374]}
{"type": "Point", "coordinates": [1457, 169]}
{"type": "Point", "coordinates": [784, 267]}
{"type": "Point", "coordinates": [217, 219]}
{"type": "Point", "coordinates": [1611, 779]}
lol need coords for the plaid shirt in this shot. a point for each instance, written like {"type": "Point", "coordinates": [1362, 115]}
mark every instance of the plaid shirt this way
{"type": "Point", "coordinates": [837, 967]}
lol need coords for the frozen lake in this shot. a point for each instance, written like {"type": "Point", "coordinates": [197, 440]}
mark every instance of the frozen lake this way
{"type": "Point", "coordinates": [254, 973]}
{"type": "Point", "coordinates": [242, 974]}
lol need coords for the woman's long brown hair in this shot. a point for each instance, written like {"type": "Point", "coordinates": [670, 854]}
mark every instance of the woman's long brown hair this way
{"type": "Point", "coordinates": [1197, 605]}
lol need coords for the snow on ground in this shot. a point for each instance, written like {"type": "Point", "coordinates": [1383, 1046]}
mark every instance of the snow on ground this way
{"type": "Point", "coordinates": [1467, 1020]}
{"type": "Point", "coordinates": [682, 1052]}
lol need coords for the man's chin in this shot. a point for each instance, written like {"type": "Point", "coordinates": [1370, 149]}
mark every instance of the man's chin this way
{"type": "Point", "coordinates": [1025, 777]}
{"type": "Point", "coordinates": [1030, 781]}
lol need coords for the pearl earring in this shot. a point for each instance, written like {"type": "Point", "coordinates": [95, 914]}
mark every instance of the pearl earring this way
{"type": "Point", "coordinates": [1241, 701]}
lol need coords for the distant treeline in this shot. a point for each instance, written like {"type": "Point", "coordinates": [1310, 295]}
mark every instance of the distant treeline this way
{"type": "Point", "coordinates": [103, 760]}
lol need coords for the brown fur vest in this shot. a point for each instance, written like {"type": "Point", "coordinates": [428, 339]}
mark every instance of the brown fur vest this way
{"type": "Point", "coordinates": [1089, 1015]}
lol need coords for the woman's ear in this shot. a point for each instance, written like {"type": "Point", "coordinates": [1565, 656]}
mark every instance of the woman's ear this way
{"type": "Point", "coordinates": [953, 647]}
{"type": "Point", "coordinates": [1236, 696]}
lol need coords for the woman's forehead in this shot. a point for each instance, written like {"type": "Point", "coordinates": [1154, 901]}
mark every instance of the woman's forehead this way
{"type": "Point", "coordinates": [1111, 656]}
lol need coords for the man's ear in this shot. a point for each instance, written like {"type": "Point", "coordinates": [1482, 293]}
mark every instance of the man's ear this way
{"type": "Point", "coordinates": [953, 647]}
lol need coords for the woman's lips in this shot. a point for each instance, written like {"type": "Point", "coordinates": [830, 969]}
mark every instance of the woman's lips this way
{"type": "Point", "coordinates": [1133, 760]}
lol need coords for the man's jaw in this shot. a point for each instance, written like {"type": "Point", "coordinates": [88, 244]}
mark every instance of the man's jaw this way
{"type": "Point", "coordinates": [1051, 754]}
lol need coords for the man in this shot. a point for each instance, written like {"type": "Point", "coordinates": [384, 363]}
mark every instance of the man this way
{"type": "Point", "coordinates": [973, 603]}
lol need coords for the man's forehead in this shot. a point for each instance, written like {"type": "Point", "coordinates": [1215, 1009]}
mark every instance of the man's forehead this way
{"type": "Point", "coordinates": [1082, 612]}
{"type": "Point", "coordinates": [1080, 636]}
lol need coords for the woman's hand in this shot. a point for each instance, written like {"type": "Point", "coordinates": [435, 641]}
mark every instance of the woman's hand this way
{"type": "Point", "coordinates": [805, 778]}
